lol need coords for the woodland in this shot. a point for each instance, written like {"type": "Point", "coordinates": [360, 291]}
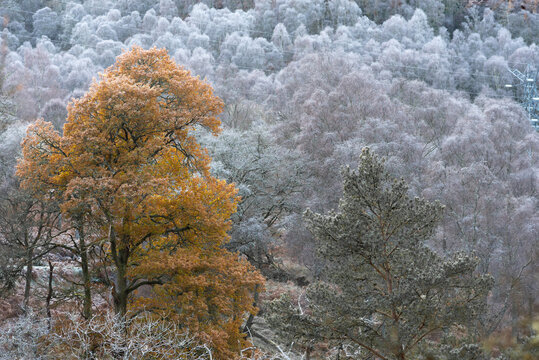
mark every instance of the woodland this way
{"type": "Point", "coordinates": [269, 179]}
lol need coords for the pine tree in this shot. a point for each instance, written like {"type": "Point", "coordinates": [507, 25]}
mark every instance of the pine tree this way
{"type": "Point", "coordinates": [384, 291]}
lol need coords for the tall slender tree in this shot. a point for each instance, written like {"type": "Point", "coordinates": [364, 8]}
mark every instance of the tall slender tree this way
{"type": "Point", "coordinates": [29, 225]}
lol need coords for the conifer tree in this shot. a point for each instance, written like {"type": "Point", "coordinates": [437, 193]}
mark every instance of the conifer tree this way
{"type": "Point", "coordinates": [384, 291]}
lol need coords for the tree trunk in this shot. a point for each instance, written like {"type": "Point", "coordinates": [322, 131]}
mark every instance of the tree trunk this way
{"type": "Point", "coordinates": [514, 318]}
{"type": "Point", "coordinates": [87, 300]}
{"type": "Point", "coordinates": [28, 277]}
{"type": "Point", "coordinates": [338, 357]}
{"type": "Point", "coordinates": [120, 290]}
{"type": "Point", "coordinates": [531, 302]}
{"type": "Point", "coordinates": [49, 296]}
{"type": "Point", "coordinates": [120, 299]}
{"type": "Point", "coordinates": [251, 318]}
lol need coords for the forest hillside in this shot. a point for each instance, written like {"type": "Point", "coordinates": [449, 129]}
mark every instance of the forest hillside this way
{"type": "Point", "coordinates": [269, 179]}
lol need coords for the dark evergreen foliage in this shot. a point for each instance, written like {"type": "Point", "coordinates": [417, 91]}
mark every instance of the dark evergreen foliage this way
{"type": "Point", "coordinates": [383, 290]}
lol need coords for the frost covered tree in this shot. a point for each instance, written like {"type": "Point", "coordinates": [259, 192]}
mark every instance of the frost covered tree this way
{"type": "Point", "coordinates": [46, 23]}
{"type": "Point", "coordinates": [11, 129]}
{"type": "Point", "coordinates": [7, 112]}
{"type": "Point", "coordinates": [384, 291]}
{"type": "Point", "coordinates": [268, 178]}
{"type": "Point", "coordinates": [168, 9]}
{"type": "Point", "coordinates": [54, 112]}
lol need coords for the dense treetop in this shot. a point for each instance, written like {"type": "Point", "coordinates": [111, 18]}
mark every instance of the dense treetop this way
{"type": "Point", "coordinates": [129, 172]}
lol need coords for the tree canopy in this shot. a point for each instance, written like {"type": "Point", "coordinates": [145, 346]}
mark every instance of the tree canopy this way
{"type": "Point", "coordinates": [129, 162]}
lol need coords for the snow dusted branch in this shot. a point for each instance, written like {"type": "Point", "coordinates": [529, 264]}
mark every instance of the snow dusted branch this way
{"type": "Point", "coordinates": [140, 337]}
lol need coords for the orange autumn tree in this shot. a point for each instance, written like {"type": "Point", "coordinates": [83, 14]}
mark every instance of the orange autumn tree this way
{"type": "Point", "coordinates": [129, 160]}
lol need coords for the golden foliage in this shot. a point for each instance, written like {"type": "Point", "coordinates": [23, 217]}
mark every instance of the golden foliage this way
{"type": "Point", "coordinates": [213, 289]}
{"type": "Point", "coordinates": [128, 159]}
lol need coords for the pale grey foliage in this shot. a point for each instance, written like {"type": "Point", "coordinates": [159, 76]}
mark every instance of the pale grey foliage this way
{"type": "Point", "coordinates": [54, 112]}
{"type": "Point", "coordinates": [135, 337]}
{"type": "Point", "coordinates": [20, 338]}
{"type": "Point", "coordinates": [46, 23]}
{"type": "Point", "coordinates": [10, 140]}
{"type": "Point", "coordinates": [268, 178]}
